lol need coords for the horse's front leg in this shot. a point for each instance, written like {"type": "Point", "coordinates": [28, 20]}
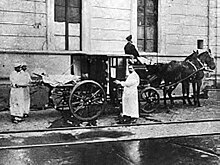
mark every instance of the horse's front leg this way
{"type": "Point", "coordinates": [194, 93]}
{"type": "Point", "coordinates": [185, 90]}
{"type": "Point", "coordinates": [164, 96]}
{"type": "Point", "coordinates": [199, 84]}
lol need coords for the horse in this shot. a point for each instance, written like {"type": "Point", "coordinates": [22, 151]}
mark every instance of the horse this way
{"type": "Point", "coordinates": [194, 66]}
{"type": "Point", "coordinates": [170, 73]}
{"type": "Point", "coordinates": [188, 71]}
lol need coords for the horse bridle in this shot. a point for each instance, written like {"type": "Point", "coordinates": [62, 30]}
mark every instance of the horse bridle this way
{"type": "Point", "coordinates": [201, 63]}
{"type": "Point", "coordinates": [194, 66]}
{"type": "Point", "coordinates": [209, 53]}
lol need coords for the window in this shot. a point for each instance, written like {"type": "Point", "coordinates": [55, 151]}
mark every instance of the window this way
{"type": "Point", "coordinates": [147, 25]}
{"type": "Point", "coordinates": [72, 8]}
{"type": "Point", "coordinates": [67, 17]}
{"type": "Point", "coordinates": [200, 44]}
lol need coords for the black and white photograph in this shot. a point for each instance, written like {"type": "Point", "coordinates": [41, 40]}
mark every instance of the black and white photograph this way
{"type": "Point", "coordinates": [110, 82]}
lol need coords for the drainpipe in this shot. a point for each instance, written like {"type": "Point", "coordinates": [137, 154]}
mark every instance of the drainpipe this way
{"type": "Point", "coordinates": [66, 25]}
{"type": "Point", "coordinates": [208, 30]}
{"type": "Point", "coordinates": [216, 45]}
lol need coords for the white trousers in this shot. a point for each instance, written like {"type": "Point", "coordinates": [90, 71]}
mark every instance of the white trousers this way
{"type": "Point", "coordinates": [16, 102]}
{"type": "Point", "coordinates": [27, 99]}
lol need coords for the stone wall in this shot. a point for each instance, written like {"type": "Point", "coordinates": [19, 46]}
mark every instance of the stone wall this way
{"type": "Point", "coordinates": [29, 25]}
{"type": "Point", "coordinates": [23, 24]}
{"type": "Point", "coordinates": [183, 23]}
{"type": "Point", "coordinates": [108, 24]}
{"type": "Point", "coordinates": [214, 36]}
{"type": "Point", "coordinates": [51, 63]}
{"type": "Point", "coordinates": [24, 27]}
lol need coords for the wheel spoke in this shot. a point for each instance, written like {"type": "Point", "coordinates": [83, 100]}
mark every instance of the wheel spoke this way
{"type": "Point", "coordinates": [77, 96]}
{"type": "Point", "coordinates": [78, 108]}
{"type": "Point", "coordinates": [94, 94]}
{"type": "Point", "coordinates": [97, 101]}
{"type": "Point", "coordinates": [76, 103]}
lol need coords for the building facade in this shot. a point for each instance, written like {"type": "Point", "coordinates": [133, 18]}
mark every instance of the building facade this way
{"type": "Point", "coordinates": [52, 34]}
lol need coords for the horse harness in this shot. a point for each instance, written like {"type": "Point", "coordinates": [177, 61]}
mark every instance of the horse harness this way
{"type": "Point", "coordinates": [189, 76]}
{"type": "Point", "coordinates": [196, 68]}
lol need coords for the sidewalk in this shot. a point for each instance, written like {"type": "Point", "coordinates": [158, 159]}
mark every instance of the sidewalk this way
{"type": "Point", "coordinates": [42, 119]}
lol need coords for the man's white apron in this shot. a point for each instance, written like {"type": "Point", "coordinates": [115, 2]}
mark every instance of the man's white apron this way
{"type": "Point", "coordinates": [25, 80]}
{"type": "Point", "coordinates": [16, 96]}
{"type": "Point", "coordinates": [130, 96]}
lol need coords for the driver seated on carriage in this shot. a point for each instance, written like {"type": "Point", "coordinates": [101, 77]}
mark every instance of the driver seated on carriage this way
{"type": "Point", "coordinates": [130, 49]}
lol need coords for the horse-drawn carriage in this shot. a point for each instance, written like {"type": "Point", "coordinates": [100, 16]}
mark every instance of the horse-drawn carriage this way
{"type": "Point", "coordinates": [86, 98]}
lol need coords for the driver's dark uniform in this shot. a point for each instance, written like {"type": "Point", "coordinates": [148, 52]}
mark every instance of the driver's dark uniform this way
{"type": "Point", "coordinates": [129, 48]}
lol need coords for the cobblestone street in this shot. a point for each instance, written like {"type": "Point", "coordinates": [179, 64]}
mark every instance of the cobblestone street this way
{"type": "Point", "coordinates": [42, 119]}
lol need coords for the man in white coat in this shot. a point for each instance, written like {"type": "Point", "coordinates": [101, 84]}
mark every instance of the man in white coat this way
{"type": "Point", "coordinates": [16, 95]}
{"type": "Point", "coordinates": [25, 82]}
{"type": "Point", "coordinates": [130, 108]}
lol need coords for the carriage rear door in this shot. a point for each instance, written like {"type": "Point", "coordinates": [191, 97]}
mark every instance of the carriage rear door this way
{"type": "Point", "coordinates": [117, 70]}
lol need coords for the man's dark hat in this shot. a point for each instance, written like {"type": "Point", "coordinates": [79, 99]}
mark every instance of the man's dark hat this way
{"type": "Point", "coordinates": [129, 37]}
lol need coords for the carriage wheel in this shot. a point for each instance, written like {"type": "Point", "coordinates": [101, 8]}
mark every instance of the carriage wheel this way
{"type": "Point", "coordinates": [87, 100]}
{"type": "Point", "coordinates": [150, 100]}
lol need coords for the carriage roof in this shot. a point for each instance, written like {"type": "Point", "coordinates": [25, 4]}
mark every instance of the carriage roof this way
{"type": "Point", "coordinates": [109, 55]}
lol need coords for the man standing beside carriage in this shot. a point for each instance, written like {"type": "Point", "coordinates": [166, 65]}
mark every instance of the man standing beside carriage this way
{"type": "Point", "coordinates": [130, 109]}
{"type": "Point", "coordinates": [19, 94]}
{"type": "Point", "coordinates": [26, 80]}
{"type": "Point", "coordinates": [16, 95]}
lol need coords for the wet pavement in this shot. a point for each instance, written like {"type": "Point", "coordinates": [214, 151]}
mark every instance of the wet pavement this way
{"type": "Point", "coordinates": [157, 143]}
{"type": "Point", "coordinates": [72, 135]}
{"type": "Point", "coordinates": [195, 150]}
{"type": "Point", "coordinates": [44, 119]}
